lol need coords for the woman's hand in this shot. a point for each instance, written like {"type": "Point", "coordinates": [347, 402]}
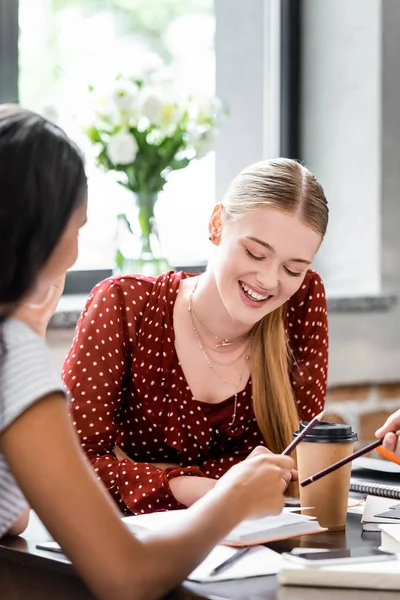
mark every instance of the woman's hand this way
{"type": "Point", "coordinates": [292, 475]}
{"type": "Point", "coordinates": [258, 483]}
{"type": "Point", "coordinates": [38, 314]}
{"type": "Point", "coordinates": [390, 439]}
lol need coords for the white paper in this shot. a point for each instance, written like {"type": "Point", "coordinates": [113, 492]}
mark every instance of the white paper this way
{"type": "Point", "coordinates": [375, 505]}
{"type": "Point", "coordinates": [266, 523]}
{"type": "Point", "coordinates": [170, 519]}
{"type": "Point", "coordinates": [258, 561]}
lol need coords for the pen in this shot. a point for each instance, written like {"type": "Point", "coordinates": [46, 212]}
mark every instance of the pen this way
{"type": "Point", "coordinates": [303, 433]}
{"type": "Point", "coordinates": [227, 563]}
{"type": "Point", "coordinates": [344, 461]}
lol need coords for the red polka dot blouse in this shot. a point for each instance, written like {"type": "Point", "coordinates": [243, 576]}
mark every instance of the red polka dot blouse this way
{"type": "Point", "coordinates": [128, 389]}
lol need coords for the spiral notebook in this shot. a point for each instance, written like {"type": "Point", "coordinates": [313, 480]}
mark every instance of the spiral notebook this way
{"type": "Point", "coordinates": [375, 477]}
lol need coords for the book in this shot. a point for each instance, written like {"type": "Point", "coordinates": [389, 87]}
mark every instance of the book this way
{"type": "Point", "coordinates": [371, 575]}
{"type": "Point", "coordinates": [371, 476]}
{"type": "Point", "coordinates": [249, 532]}
{"type": "Point", "coordinates": [390, 538]}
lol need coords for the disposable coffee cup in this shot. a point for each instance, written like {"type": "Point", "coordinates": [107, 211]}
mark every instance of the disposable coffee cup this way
{"type": "Point", "coordinates": [324, 445]}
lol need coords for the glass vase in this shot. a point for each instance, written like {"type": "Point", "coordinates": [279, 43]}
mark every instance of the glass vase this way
{"type": "Point", "coordinates": [138, 244]}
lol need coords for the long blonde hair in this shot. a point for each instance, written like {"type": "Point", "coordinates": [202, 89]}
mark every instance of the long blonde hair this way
{"type": "Point", "coordinates": [285, 185]}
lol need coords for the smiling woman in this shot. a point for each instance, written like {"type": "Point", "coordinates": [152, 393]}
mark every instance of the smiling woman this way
{"type": "Point", "coordinates": [181, 376]}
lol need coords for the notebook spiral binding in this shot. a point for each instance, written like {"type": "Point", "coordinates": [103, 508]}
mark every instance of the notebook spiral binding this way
{"type": "Point", "coordinates": [375, 489]}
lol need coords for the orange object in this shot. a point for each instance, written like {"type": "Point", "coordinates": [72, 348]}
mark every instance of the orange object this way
{"type": "Point", "coordinates": [389, 455]}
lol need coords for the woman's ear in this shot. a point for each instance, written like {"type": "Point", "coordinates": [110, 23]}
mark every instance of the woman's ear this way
{"type": "Point", "coordinates": [215, 224]}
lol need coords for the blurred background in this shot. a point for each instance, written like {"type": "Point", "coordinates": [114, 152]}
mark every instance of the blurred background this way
{"type": "Point", "coordinates": [315, 80]}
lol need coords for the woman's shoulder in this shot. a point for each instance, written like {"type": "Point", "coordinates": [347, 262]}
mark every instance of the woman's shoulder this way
{"type": "Point", "coordinates": [311, 294]}
{"type": "Point", "coordinates": [131, 285]}
{"type": "Point", "coordinates": [131, 282]}
{"type": "Point", "coordinates": [27, 369]}
{"type": "Point", "coordinates": [18, 334]}
{"type": "Point", "coordinates": [119, 291]}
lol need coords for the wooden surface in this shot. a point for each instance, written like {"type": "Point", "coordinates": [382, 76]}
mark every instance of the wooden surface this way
{"type": "Point", "coordinates": [27, 573]}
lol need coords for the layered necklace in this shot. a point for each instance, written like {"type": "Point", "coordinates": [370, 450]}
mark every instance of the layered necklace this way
{"type": "Point", "coordinates": [222, 343]}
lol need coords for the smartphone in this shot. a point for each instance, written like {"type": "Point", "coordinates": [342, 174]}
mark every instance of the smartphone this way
{"type": "Point", "coordinates": [340, 556]}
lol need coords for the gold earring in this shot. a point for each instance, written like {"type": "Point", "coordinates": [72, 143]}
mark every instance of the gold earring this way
{"type": "Point", "coordinates": [211, 237]}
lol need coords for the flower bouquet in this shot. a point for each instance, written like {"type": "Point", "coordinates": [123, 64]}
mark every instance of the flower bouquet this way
{"type": "Point", "coordinates": [142, 128]}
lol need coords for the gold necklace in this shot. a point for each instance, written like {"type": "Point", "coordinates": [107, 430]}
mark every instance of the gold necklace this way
{"type": "Point", "coordinates": [223, 342]}
{"type": "Point", "coordinates": [207, 358]}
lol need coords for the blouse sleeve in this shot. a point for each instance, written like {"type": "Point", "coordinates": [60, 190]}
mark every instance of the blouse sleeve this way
{"type": "Point", "coordinates": [307, 326]}
{"type": "Point", "coordinates": [95, 373]}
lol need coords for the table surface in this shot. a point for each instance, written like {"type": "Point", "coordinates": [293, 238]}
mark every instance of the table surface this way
{"type": "Point", "coordinates": [27, 572]}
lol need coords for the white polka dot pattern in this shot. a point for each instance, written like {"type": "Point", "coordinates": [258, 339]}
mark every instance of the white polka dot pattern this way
{"type": "Point", "coordinates": [128, 389]}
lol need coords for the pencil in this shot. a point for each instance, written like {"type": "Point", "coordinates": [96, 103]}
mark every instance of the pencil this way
{"type": "Point", "coordinates": [389, 455]}
{"type": "Point", "coordinates": [344, 461]}
{"type": "Point", "coordinates": [303, 433]}
{"type": "Point", "coordinates": [227, 563]}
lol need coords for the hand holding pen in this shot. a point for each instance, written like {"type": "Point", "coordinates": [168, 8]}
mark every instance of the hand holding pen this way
{"type": "Point", "coordinates": [391, 445]}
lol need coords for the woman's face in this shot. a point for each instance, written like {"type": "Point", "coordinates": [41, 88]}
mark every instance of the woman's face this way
{"type": "Point", "coordinates": [261, 261]}
{"type": "Point", "coordinates": [65, 253]}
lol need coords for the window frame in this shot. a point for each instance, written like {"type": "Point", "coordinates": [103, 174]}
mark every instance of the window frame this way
{"type": "Point", "coordinates": [9, 50]}
{"type": "Point", "coordinates": [286, 38]}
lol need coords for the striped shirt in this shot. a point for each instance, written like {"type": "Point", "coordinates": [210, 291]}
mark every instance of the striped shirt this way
{"type": "Point", "coordinates": [26, 375]}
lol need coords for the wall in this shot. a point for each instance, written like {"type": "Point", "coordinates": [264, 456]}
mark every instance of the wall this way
{"type": "Point", "coordinates": [355, 149]}
{"type": "Point", "coordinates": [247, 49]}
{"type": "Point", "coordinates": [340, 136]}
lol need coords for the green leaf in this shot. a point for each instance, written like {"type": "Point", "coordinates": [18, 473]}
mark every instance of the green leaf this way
{"type": "Point", "coordinates": [119, 259]}
{"type": "Point", "coordinates": [123, 217]}
{"type": "Point", "coordinates": [179, 164]}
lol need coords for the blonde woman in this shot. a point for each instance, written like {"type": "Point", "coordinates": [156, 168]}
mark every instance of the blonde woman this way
{"type": "Point", "coordinates": [175, 379]}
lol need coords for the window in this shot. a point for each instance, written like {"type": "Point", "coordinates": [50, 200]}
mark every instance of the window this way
{"type": "Point", "coordinates": [65, 45]}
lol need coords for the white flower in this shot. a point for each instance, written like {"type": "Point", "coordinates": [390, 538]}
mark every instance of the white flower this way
{"type": "Point", "coordinates": [160, 111]}
{"type": "Point", "coordinates": [204, 143]}
{"type": "Point", "coordinates": [152, 107]}
{"type": "Point", "coordinates": [124, 94]}
{"type": "Point", "coordinates": [206, 109]}
{"type": "Point", "coordinates": [122, 148]}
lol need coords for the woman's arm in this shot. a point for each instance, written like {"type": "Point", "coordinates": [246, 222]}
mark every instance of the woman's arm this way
{"type": "Point", "coordinates": [96, 372]}
{"type": "Point", "coordinates": [186, 490]}
{"type": "Point", "coordinates": [62, 488]}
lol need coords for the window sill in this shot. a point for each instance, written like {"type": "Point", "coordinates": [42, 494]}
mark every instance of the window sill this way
{"type": "Point", "coordinates": [71, 305]}
{"type": "Point", "coordinates": [357, 304]}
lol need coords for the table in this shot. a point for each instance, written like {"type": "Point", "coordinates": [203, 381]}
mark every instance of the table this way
{"type": "Point", "coordinates": [27, 573]}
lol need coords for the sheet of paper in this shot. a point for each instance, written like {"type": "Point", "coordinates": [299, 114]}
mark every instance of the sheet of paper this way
{"type": "Point", "coordinates": [258, 561]}
{"type": "Point", "coordinates": [376, 464]}
{"type": "Point", "coordinates": [168, 519]}
{"type": "Point", "coordinates": [265, 523]}
{"type": "Point", "coordinates": [375, 507]}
